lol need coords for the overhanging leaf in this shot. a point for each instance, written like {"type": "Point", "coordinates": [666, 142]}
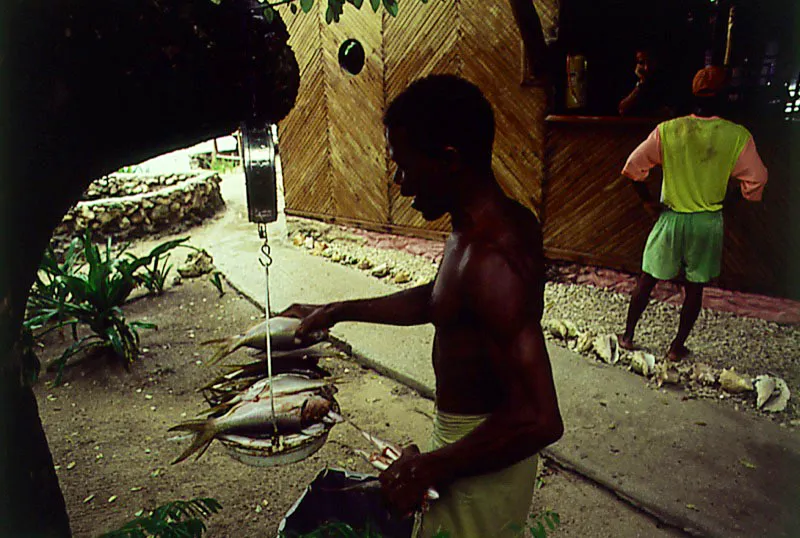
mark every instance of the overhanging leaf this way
{"type": "Point", "coordinates": [391, 7]}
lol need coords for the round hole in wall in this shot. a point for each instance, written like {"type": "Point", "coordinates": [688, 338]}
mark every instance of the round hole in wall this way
{"type": "Point", "coordinates": [351, 56]}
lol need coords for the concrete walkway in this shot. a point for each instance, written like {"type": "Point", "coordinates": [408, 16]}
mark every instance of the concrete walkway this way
{"type": "Point", "coordinates": [682, 461]}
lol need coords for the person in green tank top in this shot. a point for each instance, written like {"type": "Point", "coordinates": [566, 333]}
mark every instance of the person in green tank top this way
{"type": "Point", "coordinates": [699, 154]}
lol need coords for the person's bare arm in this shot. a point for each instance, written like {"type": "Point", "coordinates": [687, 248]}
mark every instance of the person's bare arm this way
{"type": "Point", "coordinates": [407, 307]}
{"type": "Point", "coordinates": [630, 102]}
{"type": "Point", "coordinates": [525, 422]}
{"type": "Point", "coordinates": [530, 29]}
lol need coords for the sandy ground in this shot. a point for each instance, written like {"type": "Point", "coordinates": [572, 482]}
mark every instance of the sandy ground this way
{"type": "Point", "coordinates": [107, 430]}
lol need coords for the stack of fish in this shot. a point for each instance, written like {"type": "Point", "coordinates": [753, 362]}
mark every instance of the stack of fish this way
{"type": "Point", "coordinates": [263, 423]}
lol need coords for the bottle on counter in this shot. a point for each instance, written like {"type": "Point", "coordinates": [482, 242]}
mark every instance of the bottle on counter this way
{"type": "Point", "coordinates": [576, 95]}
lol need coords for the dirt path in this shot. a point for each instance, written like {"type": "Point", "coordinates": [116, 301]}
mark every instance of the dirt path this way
{"type": "Point", "coordinates": [107, 432]}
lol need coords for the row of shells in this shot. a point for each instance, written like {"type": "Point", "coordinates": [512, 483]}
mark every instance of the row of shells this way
{"type": "Point", "coordinates": [772, 392]}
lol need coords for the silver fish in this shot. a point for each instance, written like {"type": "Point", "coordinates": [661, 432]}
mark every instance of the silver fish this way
{"type": "Point", "coordinates": [281, 334]}
{"type": "Point", "coordinates": [282, 384]}
{"type": "Point", "coordinates": [292, 413]}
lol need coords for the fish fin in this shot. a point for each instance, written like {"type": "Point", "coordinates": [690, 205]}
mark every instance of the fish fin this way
{"type": "Point", "coordinates": [215, 341]}
{"type": "Point", "coordinates": [224, 350]}
{"type": "Point", "coordinates": [194, 425]}
{"type": "Point", "coordinates": [201, 442]}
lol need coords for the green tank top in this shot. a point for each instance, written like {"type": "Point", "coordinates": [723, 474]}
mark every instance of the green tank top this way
{"type": "Point", "coordinates": [698, 157]}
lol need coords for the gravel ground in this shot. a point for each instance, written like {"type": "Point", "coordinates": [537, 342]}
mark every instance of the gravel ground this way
{"type": "Point", "coordinates": [720, 340]}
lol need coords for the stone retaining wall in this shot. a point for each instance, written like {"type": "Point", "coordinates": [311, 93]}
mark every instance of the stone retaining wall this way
{"type": "Point", "coordinates": [149, 204]}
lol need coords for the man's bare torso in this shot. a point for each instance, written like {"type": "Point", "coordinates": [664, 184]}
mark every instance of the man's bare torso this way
{"type": "Point", "coordinates": [463, 350]}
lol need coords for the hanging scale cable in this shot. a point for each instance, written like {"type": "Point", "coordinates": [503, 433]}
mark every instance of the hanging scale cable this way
{"type": "Point", "coordinates": [266, 261]}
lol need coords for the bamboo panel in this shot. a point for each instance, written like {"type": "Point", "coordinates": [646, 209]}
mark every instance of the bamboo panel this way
{"type": "Point", "coordinates": [420, 41]}
{"type": "Point", "coordinates": [548, 11]}
{"type": "Point", "coordinates": [304, 143]}
{"type": "Point", "coordinates": [355, 111]}
{"type": "Point", "coordinates": [491, 43]}
{"type": "Point", "coordinates": [762, 240]}
{"type": "Point", "coordinates": [590, 216]}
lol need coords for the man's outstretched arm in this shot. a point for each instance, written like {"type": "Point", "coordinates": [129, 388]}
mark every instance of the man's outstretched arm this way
{"type": "Point", "coordinates": [407, 307]}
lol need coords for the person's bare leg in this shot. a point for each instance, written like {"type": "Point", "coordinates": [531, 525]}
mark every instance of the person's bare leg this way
{"type": "Point", "coordinates": [639, 300]}
{"type": "Point", "coordinates": [689, 312]}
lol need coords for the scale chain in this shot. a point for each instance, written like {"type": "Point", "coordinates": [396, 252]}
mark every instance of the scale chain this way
{"type": "Point", "coordinates": [266, 261]}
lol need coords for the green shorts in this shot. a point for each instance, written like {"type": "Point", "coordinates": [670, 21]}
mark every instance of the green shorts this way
{"type": "Point", "coordinates": [692, 241]}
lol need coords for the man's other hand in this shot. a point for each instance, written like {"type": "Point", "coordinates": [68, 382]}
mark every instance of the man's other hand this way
{"type": "Point", "coordinates": [405, 482]}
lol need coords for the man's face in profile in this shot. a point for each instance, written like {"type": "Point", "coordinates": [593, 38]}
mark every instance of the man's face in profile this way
{"type": "Point", "coordinates": [645, 65]}
{"type": "Point", "coordinates": [419, 175]}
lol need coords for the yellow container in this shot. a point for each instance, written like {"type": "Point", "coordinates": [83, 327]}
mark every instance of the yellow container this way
{"type": "Point", "coordinates": [576, 94]}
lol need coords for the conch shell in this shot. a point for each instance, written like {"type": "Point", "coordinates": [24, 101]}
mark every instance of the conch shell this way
{"type": "Point", "coordinates": [585, 342]}
{"type": "Point", "coordinates": [643, 363]}
{"type": "Point", "coordinates": [703, 374]}
{"type": "Point", "coordinates": [667, 374]}
{"type": "Point", "coordinates": [607, 348]}
{"type": "Point", "coordinates": [733, 382]}
{"type": "Point", "coordinates": [561, 328]}
{"type": "Point", "coordinates": [773, 393]}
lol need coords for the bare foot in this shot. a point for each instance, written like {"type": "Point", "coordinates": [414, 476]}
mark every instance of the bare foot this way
{"type": "Point", "coordinates": [676, 353]}
{"type": "Point", "coordinates": [625, 343]}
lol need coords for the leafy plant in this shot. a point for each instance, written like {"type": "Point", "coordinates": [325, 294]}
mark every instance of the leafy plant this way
{"type": "Point", "coordinates": [216, 279]}
{"type": "Point", "coordinates": [153, 278]}
{"type": "Point", "coordinates": [177, 519]}
{"type": "Point", "coordinates": [154, 272]}
{"type": "Point", "coordinates": [548, 519]}
{"type": "Point", "coordinates": [69, 298]}
{"type": "Point", "coordinates": [49, 289]}
{"type": "Point", "coordinates": [334, 10]}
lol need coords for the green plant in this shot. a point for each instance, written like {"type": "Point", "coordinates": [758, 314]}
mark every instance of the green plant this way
{"type": "Point", "coordinates": [154, 272]}
{"type": "Point", "coordinates": [93, 298]}
{"type": "Point", "coordinates": [48, 294]}
{"type": "Point", "coordinates": [153, 278]}
{"type": "Point", "coordinates": [216, 279]}
{"type": "Point", "coordinates": [131, 169]}
{"type": "Point", "coordinates": [177, 519]}
{"type": "Point", "coordinates": [224, 166]}
{"type": "Point", "coordinates": [548, 519]}
{"type": "Point", "coordinates": [334, 10]}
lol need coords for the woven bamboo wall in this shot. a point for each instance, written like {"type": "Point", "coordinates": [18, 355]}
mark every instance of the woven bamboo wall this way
{"type": "Point", "coordinates": [355, 108]}
{"type": "Point", "coordinates": [304, 140]}
{"type": "Point", "coordinates": [475, 39]}
{"type": "Point", "coordinates": [493, 58]}
{"type": "Point", "coordinates": [589, 216]}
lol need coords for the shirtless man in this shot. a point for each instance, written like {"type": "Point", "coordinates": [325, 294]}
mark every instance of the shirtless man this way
{"type": "Point", "coordinates": [495, 397]}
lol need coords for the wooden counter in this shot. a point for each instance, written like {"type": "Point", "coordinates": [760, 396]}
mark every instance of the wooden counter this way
{"type": "Point", "coordinates": [592, 216]}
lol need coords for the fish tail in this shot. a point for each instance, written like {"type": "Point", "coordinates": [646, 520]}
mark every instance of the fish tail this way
{"type": "Point", "coordinates": [204, 434]}
{"type": "Point", "coordinates": [215, 341]}
{"type": "Point", "coordinates": [227, 346]}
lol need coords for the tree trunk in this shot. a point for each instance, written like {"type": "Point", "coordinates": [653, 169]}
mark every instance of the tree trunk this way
{"type": "Point", "coordinates": [89, 87]}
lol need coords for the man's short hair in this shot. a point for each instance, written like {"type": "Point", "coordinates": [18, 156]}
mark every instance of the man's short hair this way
{"type": "Point", "coordinates": [445, 110]}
